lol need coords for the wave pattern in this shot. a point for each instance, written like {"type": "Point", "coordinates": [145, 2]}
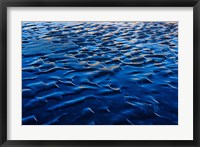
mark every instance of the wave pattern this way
{"type": "Point", "coordinates": [99, 73]}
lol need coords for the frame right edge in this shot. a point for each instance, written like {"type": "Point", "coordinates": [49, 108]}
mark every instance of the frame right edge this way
{"type": "Point", "coordinates": [196, 79]}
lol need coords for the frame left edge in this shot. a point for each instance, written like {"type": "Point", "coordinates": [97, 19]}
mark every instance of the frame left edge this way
{"type": "Point", "coordinates": [3, 74]}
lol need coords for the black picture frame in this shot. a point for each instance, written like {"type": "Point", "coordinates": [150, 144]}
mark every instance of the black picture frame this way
{"type": "Point", "coordinates": [99, 3]}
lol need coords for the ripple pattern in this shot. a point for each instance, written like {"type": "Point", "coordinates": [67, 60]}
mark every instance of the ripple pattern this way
{"type": "Point", "coordinates": [99, 73]}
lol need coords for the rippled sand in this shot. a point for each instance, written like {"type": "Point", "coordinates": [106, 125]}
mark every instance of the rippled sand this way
{"type": "Point", "coordinates": [100, 73]}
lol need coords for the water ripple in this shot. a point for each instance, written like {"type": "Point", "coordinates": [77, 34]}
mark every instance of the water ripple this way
{"type": "Point", "coordinates": [99, 73]}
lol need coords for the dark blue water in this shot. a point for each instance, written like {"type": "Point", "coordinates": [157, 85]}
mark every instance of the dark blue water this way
{"type": "Point", "coordinates": [100, 73]}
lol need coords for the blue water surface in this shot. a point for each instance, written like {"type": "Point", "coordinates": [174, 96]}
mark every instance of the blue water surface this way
{"type": "Point", "coordinates": [99, 73]}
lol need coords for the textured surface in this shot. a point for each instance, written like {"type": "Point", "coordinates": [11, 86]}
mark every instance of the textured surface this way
{"type": "Point", "coordinates": [100, 73]}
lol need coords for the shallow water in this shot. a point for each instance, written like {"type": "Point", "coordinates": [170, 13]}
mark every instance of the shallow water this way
{"type": "Point", "coordinates": [100, 73]}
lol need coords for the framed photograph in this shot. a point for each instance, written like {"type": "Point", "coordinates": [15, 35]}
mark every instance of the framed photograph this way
{"type": "Point", "coordinates": [104, 73]}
